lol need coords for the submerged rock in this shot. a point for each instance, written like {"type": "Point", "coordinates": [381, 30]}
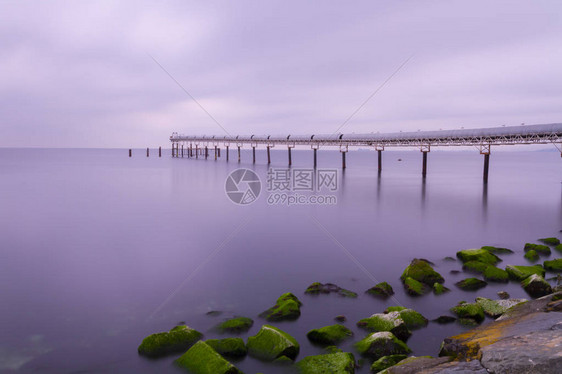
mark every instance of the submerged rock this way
{"type": "Point", "coordinates": [232, 347]}
{"type": "Point", "coordinates": [536, 286]}
{"type": "Point", "coordinates": [421, 271]}
{"type": "Point", "coordinates": [550, 241]}
{"type": "Point", "coordinates": [500, 250]}
{"type": "Point", "coordinates": [553, 265]}
{"type": "Point", "coordinates": [271, 343]}
{"type": "Point", "coordinates": [444, 319]}
{"type": "Point", "coordinates": [382, 289]}
{"type": "Point", "coordinates": [339, 362]}
{"type": "Point", "coordinates": [469, 311]}
{"type": "Point", "coordinates": [413, 287]}
{"type": "Point", "coordinates": [503, 295]}
{"type": "Point", "coordinates": [531, 255]}
{"type": "Point", "coordinates": [203, 359]}
{"type": "Point", "coordinates": [480, 255]}
{"type": "Point", "coordinates": [287, 307]}
{"type": "Point", "coordinates": [340, 318]}
{"type": "Point", "coordinates": [412, 319]}
{"type": "Point", "coordinates": [521, 272]}
{"type": "Point", "coordinates": [471, 284]}
{"type": "Point", "coordinates": [449, 258]}
{"type": "Point", "coordinates": [379, 344]}
{"type": "Point", "coordinates": [386, 362]}
{"type": "Point", "coordinates": [495, 308]}
{"type": "Point", "coordinates": [236, 325]}
{"type": "Point", "coordinates": [317, 288]}
{"type": "Point", "coordinates": [177, 339]}
{"type": "Point", "coordinates": [391, 322]}
{"type": "Point", "coordinates": [539, 248]}
{"type": "Point", "coordinates": [439, 289]}
{"type": "Point", "coordinates": [329, 334]}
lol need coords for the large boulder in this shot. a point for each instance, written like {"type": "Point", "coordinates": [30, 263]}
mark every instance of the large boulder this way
{"type": "Point", "coordinates": [386, 362]}
{"type": "Point", "coordinates": [287, 307]}
{"type": "Point", "coordinates": [480, 255]}
{"type": "Point", "coordinates": [539, 248]}
{"type": "Point", "coordinates": [471, 284]}
{"type": "Point", "coordinates": [469, 311]}
{"type": "Point", "coordinates": [271, 343]}
{"type": "Point", "coordinates": [178, 339]}
{"type": "Point", "coordinates": [494, 274]}
{"type": "Point", "coordinates": [231, 347]}
{"type": "Point", "coordinates": [495, 308]}
{"type": "Point", "coordinates": [391, 322]}
{"type": "Point", "coordinates": [422, 271]}
{"type": "Point", "coordinates": [536, 286]}
{"type": "Point", "coordinates": [236, 325]}
{"type": "Point", "coordinates": [553, 265]}
{"type": "Point", "coordinates": [318, 288]}
{"type": "Point", "coordinates": [412, 319]}
{"type": "Point", "coordinates": [381, 289]}
{"type": "Point", "coordinates": [414, 288]}
{"type": "Point", "coordinates": [521, 272]}
{"type": "Point", "coordinates": [336, 363]}
{"type": "Point", "coordinates": [329, 335]}
{"type": "Point", "coordinates": [379, 344]}
{"type": "Point", "coordinates": [203, 359]}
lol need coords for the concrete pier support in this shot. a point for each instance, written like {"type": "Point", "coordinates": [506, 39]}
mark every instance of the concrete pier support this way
{"type": "Point", "coordinates": [147, 152]}
{"type": "Point", "coordinates": [290, 160]}
{"type": "Point", "coordinates": [182, 150]}
{"type": "Point", "coordinates": [424, 164]}
{"type": "Point", "coordinates": [253, 155]}
{"type": "Point", "coordinates": [238, 153]}
{"type": "Point", "coordinates": [380, 160]}
{"type": "Point", "coordinates": [206, 152]}
{"type": "Point", "coordinates": [268, 155]}
{"type": "Point", "coordinates": [219, 152]}
{"type": "Point", "coordinates": [343, 160]}
{"type": "Point", "coordinates": [160, 151]}
{"type": "Point", "coordinates": [216, 152]}
{"type": "Point", "coordinates": [196, 151]}
{"type": "Point", "coordinates": [315, 163]}
{"type": "Point", "coordinates": [486, 167]}
{"type": "Point", "coordinates": [227, 153]}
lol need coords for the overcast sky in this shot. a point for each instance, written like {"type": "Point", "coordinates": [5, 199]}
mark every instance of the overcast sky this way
{"type": "Point", "coordinates": [80, 73]}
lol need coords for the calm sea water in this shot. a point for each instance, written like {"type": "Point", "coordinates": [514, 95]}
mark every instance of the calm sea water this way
{"type": "Point", "coordinates": [98, 250]}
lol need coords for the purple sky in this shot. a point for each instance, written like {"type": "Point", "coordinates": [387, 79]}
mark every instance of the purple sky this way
{"type": "Point", "coordinates": [79, 74]}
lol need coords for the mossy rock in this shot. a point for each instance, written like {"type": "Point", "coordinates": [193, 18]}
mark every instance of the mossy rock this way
{"type": "Point", "coordinates": [340, 318]}
{"type": "Point", "coordinates": [468, 310]}
{"type": "Point", "coordinates": [550, 241]}
{"type": "Point", "coordinates": [382, 289]}
{"type": "Point", "coordinates": [439, 289]}
{"type": "Point", "coordinates": [178, 339]}
{"type": "Point", "coordinates": [332, 349]}
{"type": "Point", "coordinates": [521, 272]}
{"type": "Point", "coordinates": [495, 274]}
{"type": "Point", "coordinates": [471, 284]}
{"type": "Point", "coordinates": [236, 325]}
{"type": "Point", "coordinates": [553, 265]}
{"type": "Point", "coordinates": [336, 363]}
{"type": "Point", "coordinates": [536, 286]}
{"type": "Point", "coordinates": [480, 255]}
{"type": "Point", "coordinates": [444, 319]}
{"type": "Point", "coordinates": [531, 255]}
{"type": "Point", "coordinates": [414, 288]}
{"type": "Point", "coordinates": [421, 271]}
{"type": "Point", "coordinates": [411, 318]}
{"type": "Point", "coordinates": [499, 250]}
{"type": "Point", "coordinates": [329, 334]}
{"type": "Point", "coordinates": [495, 308]}
{"type": "Point", "coordinates": [386, 362]}
{"type": "Point", "coordinates": [270, 343]}
{"type": "Point", "coordinates": [475, 266]}
{"type": "Point", "coordinates": [231, 347]}
{"type": "Point", "coordinates": [391, 322]}
{"type": "Point", "coordinates": [379, 344]}
{"type": "Point", "coordinates": [558, 247]}
{"type": "Point", "coordinates": [539, 248]}
{"type": "Point", "coordinates": [318, 288]}
{"type": "Point", "coordinates": [287, 307]}
{"type": "Point", "coordinates": [203, 359]}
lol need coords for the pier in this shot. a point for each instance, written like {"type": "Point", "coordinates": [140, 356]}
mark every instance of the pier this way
{"type": "Point", "coordinates": [482, 139]}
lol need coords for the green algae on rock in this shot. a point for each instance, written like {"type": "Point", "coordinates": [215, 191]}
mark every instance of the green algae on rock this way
{"type": "Point", "coordinates": [531, 255]}
{"type": "Point", "coordinates": [236, 325]}
{"type": "Point", "coordinates": [475, 266]}
{"type": "Point", "coordinates": [411, 318]}
{"type": "Point", "coordinates": [480, 255]}
{"type": "Point", "coordinates": [499, 250]}
{"type": "Point", "coordinates": [553, 265]}
{"type": "Point", "coordinates": [391, 322]}
{"type": "Point", "coordinates": [270, 343]}
{"type": "Point", "coordinates": [386, 362]}
{"type": "Point", "coordinates": [381, 289]}
{"type": "Point", "coordinates": [317, 288]}
{"type": "Point", "coordinates": [287, 307]}
{"type": "Point", "coordinates": [495, 308]}
{"type": "Point", "coordinates": [439, 289]}
{"type": "Point", "coordinates": [536, 286]}
{"type": "Point", "coordinates": [471, 284]}
{"type": "Point", "coordinates": [336, 363]}
{"type": "Point", "coordinates": [203, 359]}
{"type": "Point", "coordinates": [232, 347]}
{"type": "Point", "coordinates": [539, 248]}
{"type": "Point", "coordinates": [495, 274]}
{"type": "Point", "coordinates": [550, 241]}
{"type": "Point", "coordinates": [329, 334]}
{"type": "Point", "coordinates": [414, 288]}
{"type": "Point", "coordinates": [521, 272]}
{"type": "Point", "coordinates": [558, 247]}
{"type": "Point", "coordinates": [421, 271]}
{"type": "Point", "coordinates": [379, 344]}
{"type": "Point", "coordinates": [176, 340]}
{"type": "Point", "coordinates": [469, 311]}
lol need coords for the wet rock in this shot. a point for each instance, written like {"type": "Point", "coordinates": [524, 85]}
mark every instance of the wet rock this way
{"type": "Point", "coordinates": [558, 247]}
{"type": "Point", "coordinates": [454, 271]}
{"type": "Point", "coordinates": [203, 359]}
{"type": "Point", "coordinates": [331, 335]}
{"type": "Point", "coordinates": [382, 289]}
{"type": "Point", "coordinates": [439, 289]}
{"type": "Point", "coordinates": [270, 343]}
{"type": "Point", "coordinates": [318, 288]}
{"type": "Point", "coordinates": [470, 311]}
{"type": "Point", "coordinates": [475, 266]}
{"type": "Point", "coordinates": [391, 322]}
{"type": "Point", "coordinates": [287, 307]}
{"type": "Point", "coordinates": [332, 349]}
{"type": "Point", "coordinates": [214, 313]}
{"type": "Point", "coordinates": [490, 272]}
{"type": "Point", "coordinates": [521, 272]}
{"type": "Point", "coordinates": [536, 286]}
{"type": "Point", "coordinates": [413, 287]}
{"type": "Point", "coordinates": [553, 265]}
{"type": "Point", "coordinates": [539, 248]}
{"type": "Point", "coordinates": [480, 255]}
{"type": "Point", "coordinates": [495, 308]}
{"type": "Point", "coordinates": [340, 362]}
{"type": "Point", "coordinates": [231, 347]}
{"type": "Point", "coordinates": [178, 339]}
{"type": "Point", "coordinates": [236, 325]}
{"type": "Point", "coordinates": [415, 365]}
{"type": "Point", "coordinates": [471, 284]}
{"type": "Point", "coordinates": [412, 319]}
{"type": "Point", "coordinates": [379, 344]}
{"type": "Point", "coordinates": [531, 255]}
{"type": "Point", "coordinates": [503, 295]}
{"type": "Point", "coordinates": [386, 362]}
{"type": "Point", "coordinates": [449, 258]}
{"type": "Point", "coordinates": [340, 318]}
{"type": "Point", "coordinates": [550, 241]}
{"type": "Point", "coordinates": [421, 271]}
{"type": "Point", "coordinates": [444, 319]}
{"type": "Point", "coordinates": [499, 250]}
